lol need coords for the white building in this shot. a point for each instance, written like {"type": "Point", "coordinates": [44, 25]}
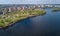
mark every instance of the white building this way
{"type": "Point", "coordinates": [10, 9]}
{"type": "Point", "coordinates": [18, 8]}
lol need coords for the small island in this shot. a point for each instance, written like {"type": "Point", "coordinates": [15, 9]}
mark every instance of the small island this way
{"type": "Point", "coordinates": [10, 18]}
{"type": "Point", "coordinates": [56, 9]}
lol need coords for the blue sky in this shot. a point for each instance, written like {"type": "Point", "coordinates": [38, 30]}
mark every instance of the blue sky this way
{"type": "Point", "coordinates": [29, 1]}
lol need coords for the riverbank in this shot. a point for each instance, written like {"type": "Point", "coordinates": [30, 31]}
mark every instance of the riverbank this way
{"type": "Point", "coordinates": [10, 18]}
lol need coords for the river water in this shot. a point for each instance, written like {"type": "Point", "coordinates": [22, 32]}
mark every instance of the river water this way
{"type": "Point", "coordinates": [45, 25]}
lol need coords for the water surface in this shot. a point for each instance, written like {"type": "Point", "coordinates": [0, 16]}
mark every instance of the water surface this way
{"type": "Point", "coordinates": [46, 25]}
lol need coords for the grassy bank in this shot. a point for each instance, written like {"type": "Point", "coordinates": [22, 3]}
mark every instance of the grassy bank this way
{"type": "Point", "coordinates": [7, 19]}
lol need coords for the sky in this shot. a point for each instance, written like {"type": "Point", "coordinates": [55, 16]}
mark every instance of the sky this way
{"type": "Point", "coordinates": [29, 1]}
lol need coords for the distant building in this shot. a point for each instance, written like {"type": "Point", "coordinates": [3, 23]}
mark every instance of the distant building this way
{"type": "Point", "coordinates": [14, 8]}
{"type": "Point", "coordinates": [42, 6]}
{"type": "Point", "coordinates": [57, 5]}
{"type": "Point", "coordinates": [23, 8]}
{"type": "Point", "coordinates": [39, 6]}
{"type": "Point", "coordinates": [5, 10]}
{"type": "Point", "coordinates": [18, 8]}
{"type": "Point", "coordinates": [9, 10]}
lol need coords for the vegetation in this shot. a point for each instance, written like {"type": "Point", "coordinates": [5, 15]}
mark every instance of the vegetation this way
{"type": "Point", "coordinates": [56, 9]}
{"type": "Point", "coordinates": [9, 18]}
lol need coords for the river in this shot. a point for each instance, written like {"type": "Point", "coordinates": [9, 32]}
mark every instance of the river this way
{"type": "Point", "coordinates": [45, 25]}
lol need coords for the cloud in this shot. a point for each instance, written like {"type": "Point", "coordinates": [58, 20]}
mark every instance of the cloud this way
{"type": "Point", "coordinates": [29, 1]}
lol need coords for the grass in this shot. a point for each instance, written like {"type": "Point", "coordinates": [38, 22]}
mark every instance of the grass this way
{"type": "Point", "coordinates": [6, 19]}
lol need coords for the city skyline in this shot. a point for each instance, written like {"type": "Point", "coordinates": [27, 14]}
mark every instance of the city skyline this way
{"type": "Point", "coordinates": [29, 1]}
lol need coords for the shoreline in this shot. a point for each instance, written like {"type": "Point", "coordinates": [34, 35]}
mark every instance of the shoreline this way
{"type": "Point", "coordinates": [8, 24]}
{"type": "Point", "coordinates": [12, 23]}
